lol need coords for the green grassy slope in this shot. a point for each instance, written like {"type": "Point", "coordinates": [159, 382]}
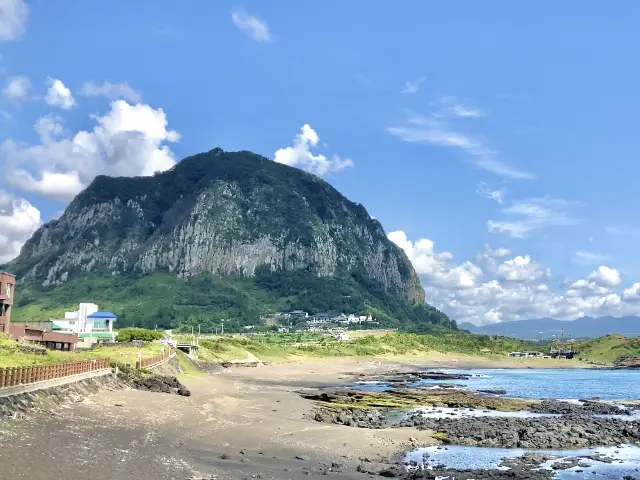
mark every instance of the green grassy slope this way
{"type": "Point", "coordinates": [13, 354]}
{"type": "Point", "coordinates": [609, 348]}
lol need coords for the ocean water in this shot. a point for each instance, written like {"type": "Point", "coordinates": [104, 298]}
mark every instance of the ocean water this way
{"type": "Point", "coordinates": [545, 383]}
{"type": "Point", "coordinates": [570, 385]}
{"type": "Point", "coordinates": [626, 459]}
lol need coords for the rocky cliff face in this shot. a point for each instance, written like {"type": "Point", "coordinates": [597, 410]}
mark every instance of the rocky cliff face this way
{"type": "Point", "coordinates": [224, 213]}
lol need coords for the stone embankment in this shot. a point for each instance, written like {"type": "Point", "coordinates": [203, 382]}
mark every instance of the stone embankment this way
{"type": "Point", "coordinates": [47, 399]}
{"type": "Point", "coordinates": [19, 405]}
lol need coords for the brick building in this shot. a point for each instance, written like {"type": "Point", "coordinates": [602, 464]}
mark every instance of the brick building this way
{"type": "Point", "coordinates": [7, 291]}
{"type": "Point", "coordinates": [29, 332]}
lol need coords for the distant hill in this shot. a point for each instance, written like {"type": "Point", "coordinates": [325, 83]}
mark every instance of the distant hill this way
{"type": "Point", "coordinates": [544, 328]}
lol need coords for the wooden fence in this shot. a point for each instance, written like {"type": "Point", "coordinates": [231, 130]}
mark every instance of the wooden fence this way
{"type": "Point", "coordinates": [12, 376]}
{"type": "Point", "coordinates": [146, 362]}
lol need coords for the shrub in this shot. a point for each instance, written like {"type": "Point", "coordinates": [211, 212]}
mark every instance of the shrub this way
{"type": "Point", "coordinates": [131, 334]}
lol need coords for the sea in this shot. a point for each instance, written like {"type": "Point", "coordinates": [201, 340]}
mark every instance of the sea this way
{"type": "Point", "coordinates": [560, 384]}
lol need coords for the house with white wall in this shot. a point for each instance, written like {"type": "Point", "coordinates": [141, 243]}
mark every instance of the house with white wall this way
{"type": "Point", "coordinates": [88, 322]}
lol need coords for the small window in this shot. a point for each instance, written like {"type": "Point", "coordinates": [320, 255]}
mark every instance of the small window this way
{"type": "Point", "coordinates": [8, 290]}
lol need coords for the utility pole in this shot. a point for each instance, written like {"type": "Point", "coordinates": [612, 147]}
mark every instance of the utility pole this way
{"type": "Point", "coordinates": [222, 331]}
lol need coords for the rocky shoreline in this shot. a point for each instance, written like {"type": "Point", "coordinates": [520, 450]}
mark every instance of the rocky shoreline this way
{"type": "Point", "coordinates": [481, 419]}
{"type": "Point", "coordinates": [545, 433]}
{"type": "Point", "coordinates": [525, 467]}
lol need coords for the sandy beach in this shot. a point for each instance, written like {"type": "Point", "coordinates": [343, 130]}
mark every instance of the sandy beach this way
{"type": "Point", "coordinates": [239, 423]}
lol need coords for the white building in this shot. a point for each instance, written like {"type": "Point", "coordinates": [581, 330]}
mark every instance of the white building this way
{"type": "Point", "coordinates": [88, 322]}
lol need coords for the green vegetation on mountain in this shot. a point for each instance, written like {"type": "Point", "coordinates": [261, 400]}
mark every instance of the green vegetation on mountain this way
{"type": "Point", "coordinates": [165, 301]}
{"type": "Point", "coordinates": [221, 235]}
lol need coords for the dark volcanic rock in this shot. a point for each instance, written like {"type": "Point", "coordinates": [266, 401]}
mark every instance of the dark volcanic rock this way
{"type": "Point", "coordinates": [361, 418]}
{"type": "Point", "coordinates": [443, 473]}
{"type": "Point", "coordinates": [562, 432]}
{"type": "Point", "coordinates": [152, 382]}
{"type": "Point", "coordinates": [494, 392]}
{"type": "Point", "coordinates": [586, 408]}
{"type": "Point", "coordinates": [402, 378]}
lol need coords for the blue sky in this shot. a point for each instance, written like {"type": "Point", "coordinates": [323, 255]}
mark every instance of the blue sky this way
{"type": "Point", "coordinates": [497, 141]}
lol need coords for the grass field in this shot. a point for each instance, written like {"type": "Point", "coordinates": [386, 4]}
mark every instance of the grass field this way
{"type": "Point", "coordinates": [298, 346]}
{"type": "Point", "coordinates": [273, 347]}
{"type": "Point", "coordinates": [12, 356]}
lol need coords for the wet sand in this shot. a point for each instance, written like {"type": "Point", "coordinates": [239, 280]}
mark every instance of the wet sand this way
{"type": "Point", "coordinates": [240, 423]}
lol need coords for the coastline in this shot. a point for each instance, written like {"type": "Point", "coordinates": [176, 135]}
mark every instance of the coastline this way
{"type": "Point", "coordinates": [239, 423]}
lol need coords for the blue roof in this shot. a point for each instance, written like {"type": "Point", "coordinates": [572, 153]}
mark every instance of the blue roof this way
{"type": "Point", "coordinates": [102, 315]}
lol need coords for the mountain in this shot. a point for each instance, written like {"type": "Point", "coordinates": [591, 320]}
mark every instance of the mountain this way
{"type": "Point", "coordinates": [544, 328]}
{"type": "Point", "coordinates": [241, 233]}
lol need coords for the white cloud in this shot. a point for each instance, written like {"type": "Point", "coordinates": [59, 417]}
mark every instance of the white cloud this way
{"type": "Point", "coordinates": [48, 127]}
{"type": "Point", "coordinates": [515, 289]}
{"type": "Point", "coordinates": [589, 258]}
{"type": "Point", "coordinates": [451, 107]}
{"type": "Point", "coordinates": [13, 19]}
{"type": "Point", "coordinates": [605, 277]}
{"type": "Point", "coordinates": [59, 186]}
{"type": "Point", "coordinates": [413, 86]}
{"type": "Point", "coordinates": [19, 220]}
{"type": "Point", "coordinates": [130, 140]}
{"type": "Point", "coordinates": [492, 316]}
{"type": "Point", "coordinates": [488, 258]}
{"type": "Point", "coordinates": [252, 26]}
{"type": "Point", "coordinates": [431, 131]}
{"type": "Point", "coordinates": [521, 269]}
{"type": "Point", "coordinates": [490, 193]}
{"type": "Point", "coordinates": [436, 267]}
{"type": "Point", "coordinates": [533, 215]}
{"type": "Point", "coordinates": [300, 155]}
{"type": "Point", "coordinates": [497, 253]}
{"type": "Point", "coordinates": [632, 294]}
{"type": "Point", "coordinates": [17, 88]}
{"type": "Point", "coordinates": [462, 111]}
{"type": "Point", "coordinates": [58, 95]}
{"type": "Point", "coordinates": [112, 91]}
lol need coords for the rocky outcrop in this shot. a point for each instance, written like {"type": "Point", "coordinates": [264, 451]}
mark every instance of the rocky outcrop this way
{"type": "Point", "coordinates": [228, 214]}
{"type": "Point", "coordinates": [553, 433]}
